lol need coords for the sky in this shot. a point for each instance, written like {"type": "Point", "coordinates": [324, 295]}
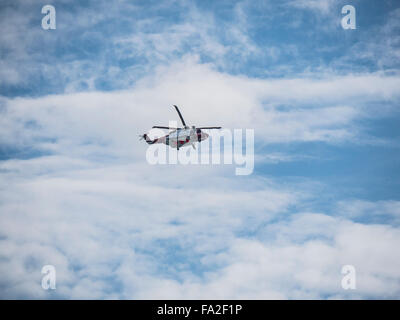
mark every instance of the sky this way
{"type": "Point", "coordinates": [77, 192]}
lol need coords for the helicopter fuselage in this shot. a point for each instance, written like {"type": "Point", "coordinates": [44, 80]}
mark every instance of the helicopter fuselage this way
{"type": "Point", "coordinates": [182, 137]}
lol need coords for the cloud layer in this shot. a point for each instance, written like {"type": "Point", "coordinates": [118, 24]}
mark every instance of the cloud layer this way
{"type": "Point", "coordinates": [77, 192]}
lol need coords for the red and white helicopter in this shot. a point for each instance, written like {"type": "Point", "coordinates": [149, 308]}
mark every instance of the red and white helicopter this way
{"type": "Point", "coordinates": [180, 137]}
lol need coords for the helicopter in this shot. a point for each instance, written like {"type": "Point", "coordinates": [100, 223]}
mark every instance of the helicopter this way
{"type": "Point", "coordinates": [180, 137]}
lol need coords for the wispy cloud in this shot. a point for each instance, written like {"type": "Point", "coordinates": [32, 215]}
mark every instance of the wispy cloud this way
{"type": "Point", "coordinates": [322, 7]}
{"type": "Point", "coordinates": [77, 193]}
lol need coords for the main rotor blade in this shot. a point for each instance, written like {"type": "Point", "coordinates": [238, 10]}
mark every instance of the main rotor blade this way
{"type": "Point", "coordinates": [208, 127]}
{"type": "Point", "coordinates": [180, 116]}
{"type": "Point", "coordinates": [161, 127]}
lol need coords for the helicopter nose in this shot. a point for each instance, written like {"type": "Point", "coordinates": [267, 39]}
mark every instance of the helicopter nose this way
{"type": "Point", "coordinates": [204, 136]}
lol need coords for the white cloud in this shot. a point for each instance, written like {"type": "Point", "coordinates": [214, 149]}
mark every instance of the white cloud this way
{"type": "Point", "coordinates": [379, 47]}
{"type": "Point", "coordinates": [109, 230]}
{"type": "Point", "coordinates": [141, 39]}
{"type": "Point", "coordinates": [83, 198]}
{"type": "Point", "coordinates": [321, 6]}
{"type": "Point", "coordinates": [252, 269]}
{"type": "Point", "coordinates": [282, 110]}
{"type": "Point", "coordinates": [377, 211]}
{"type": "Point", "coordinates": [90, 222]}
{"type": "Point", "coordinates": [115, 227]}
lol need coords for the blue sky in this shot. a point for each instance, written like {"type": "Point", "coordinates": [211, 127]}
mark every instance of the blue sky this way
{"type": "Point", "coordinates": [77, 192]}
